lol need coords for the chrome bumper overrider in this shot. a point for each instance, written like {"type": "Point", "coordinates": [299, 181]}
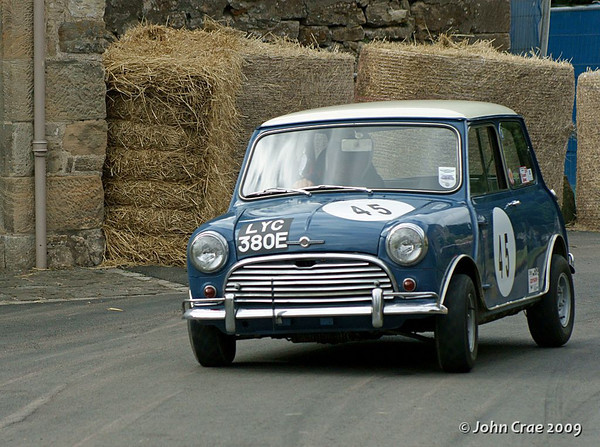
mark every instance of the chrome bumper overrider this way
{"type": "Point", "coordinates": [219, 309]}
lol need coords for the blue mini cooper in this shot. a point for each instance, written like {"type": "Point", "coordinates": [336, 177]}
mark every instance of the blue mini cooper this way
{"type": "Point", "coordinates": [363, 220]}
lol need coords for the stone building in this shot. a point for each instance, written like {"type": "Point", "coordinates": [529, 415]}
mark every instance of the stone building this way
{"type": "Point", "coordinates": [77, 32]}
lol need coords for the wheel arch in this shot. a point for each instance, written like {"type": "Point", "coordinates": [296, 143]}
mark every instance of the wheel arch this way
{"type": "Point", "coordinates": [556, 246]}
{"type": "Point", "coordinates": [465, 265]}
{"type": "Point", "coordinates": [559, 246]}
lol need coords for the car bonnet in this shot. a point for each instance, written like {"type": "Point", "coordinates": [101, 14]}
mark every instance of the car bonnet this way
{"type": "Point", "coordinates": [352, 223]}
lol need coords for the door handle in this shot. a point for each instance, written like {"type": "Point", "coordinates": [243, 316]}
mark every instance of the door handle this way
{"type": "Point", "coordinates": [513, 203]}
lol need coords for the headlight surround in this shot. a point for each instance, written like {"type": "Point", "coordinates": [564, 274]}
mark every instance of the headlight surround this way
{"type": "Point", "coordinates": [208, 251]}
{"type": "Point", "coordinates": [406, 244]}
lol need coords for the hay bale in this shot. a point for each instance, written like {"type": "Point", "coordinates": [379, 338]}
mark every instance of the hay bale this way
{"type": "Point", "coordinates": [125, 248]}
{"type": "Point", "coordinates": [284, 77]}
{"type": "Point", "coordinates": [129, 135]}
{"type": "Point", "coordinates": [588, 150]}
{"type": "Point", "coordinates": [160, 75]}
{"type": "Point", "coordinates": [181, 86]}
{"type": "Point", "coordinates": [181, 107]}
{"type": "Point", "coordinates": [152, 221]}
{"type": "Point", "coordinates": [177, 165]}
{"type": "Point", "coordinates": [541, 90]}
{"type": "Point", "coordinates": [153, 194]}
{"type": "Point", "coordinates": [172, 125]}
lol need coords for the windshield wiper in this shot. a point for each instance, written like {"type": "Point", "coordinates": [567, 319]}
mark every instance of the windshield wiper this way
{"type": "Point", "coordinates": [348, 188]}
{"type": "Point", "coordinates": [306, 190]}
{"type": "Point", "coordinates": [268, 191]}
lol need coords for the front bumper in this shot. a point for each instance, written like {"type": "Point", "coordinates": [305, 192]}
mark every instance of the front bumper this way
{"type": "Point", "coordinates": [226, 309]}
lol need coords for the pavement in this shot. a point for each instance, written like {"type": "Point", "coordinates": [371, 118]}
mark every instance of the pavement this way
{"type": "Point", "coordinates": [85, 284]}
{"type": "Point", "coordinates": [45, 286]}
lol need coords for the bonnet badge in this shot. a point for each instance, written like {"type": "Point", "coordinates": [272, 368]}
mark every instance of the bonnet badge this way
{"type": "Point", "coordinates": [304, 242]}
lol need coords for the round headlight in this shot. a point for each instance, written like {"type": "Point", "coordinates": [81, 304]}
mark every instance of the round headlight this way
{"type": "Point", "coordinates": [406, 244]}
{"type": "Point", "coordinates": [208, 252]}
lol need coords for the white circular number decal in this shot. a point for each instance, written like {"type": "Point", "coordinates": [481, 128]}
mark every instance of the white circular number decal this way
{"type": "Point", "coordinates": [368, 209]}
{"type": "Point", "coordinates": [505, 256]}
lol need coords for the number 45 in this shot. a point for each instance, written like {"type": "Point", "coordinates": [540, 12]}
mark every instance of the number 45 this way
{"type": "Point", "coordinates": [374, 207]}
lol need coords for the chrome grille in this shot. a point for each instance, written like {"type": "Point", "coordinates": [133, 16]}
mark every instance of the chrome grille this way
{"type": "Point", "coordinates": [289, 280]}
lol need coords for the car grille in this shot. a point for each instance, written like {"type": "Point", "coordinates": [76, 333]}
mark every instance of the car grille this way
{"type": "Point", "coordinates": [298, 280]}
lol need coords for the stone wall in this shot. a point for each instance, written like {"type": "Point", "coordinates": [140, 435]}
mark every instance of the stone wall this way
{"type": "Point", "coordinates": [327, 23]}
{"type": "Point", "coordinates": [75, 131]}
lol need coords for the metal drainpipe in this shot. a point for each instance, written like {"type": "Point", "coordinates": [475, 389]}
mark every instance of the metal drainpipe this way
{"type": "Point", "coordinates": [40, 145]}
{"type": "Point", "coordinates": [545, 27]}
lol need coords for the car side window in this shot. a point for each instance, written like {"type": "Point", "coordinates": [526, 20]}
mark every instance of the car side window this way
{"type": "Point", "coordinates": [517, 157]}
{"type": "Point", "coordinates": [485, 174]}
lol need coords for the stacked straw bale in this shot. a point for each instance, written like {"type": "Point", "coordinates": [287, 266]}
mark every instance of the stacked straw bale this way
{"type": "Point", "coordinates": [541, 90]}
{"type": "Point", "coordinates": [285, 77]}
{"type": "Point", "coordinates": [588, 150]}
{"type": "Point", "coordinates": [172, 122]}
{"type": "Point", "coordinates": [181, 106]}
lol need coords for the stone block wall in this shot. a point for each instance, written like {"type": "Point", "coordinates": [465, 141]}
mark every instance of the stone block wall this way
{"type": "Point", "coordinates": [327, 23]}
{"type": "Point", "coordinates": [75, 130]}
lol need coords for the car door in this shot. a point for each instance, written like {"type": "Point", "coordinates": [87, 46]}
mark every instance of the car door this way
{"type": "Point", "coordinates": [501, 232]}
{"type": "Point", "coordinates": [536, 207]}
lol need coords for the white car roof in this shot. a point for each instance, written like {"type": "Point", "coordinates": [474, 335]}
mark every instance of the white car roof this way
{"type": "Point", "coordinates": [421, 109]}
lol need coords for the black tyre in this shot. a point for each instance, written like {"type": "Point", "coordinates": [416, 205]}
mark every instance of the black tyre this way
{"type": "Point", "coordinates": [456, 333]}
{"type": "Point", "coordinates": [211, 346]}
{"type": "Point", "coordinates": [551, 319]}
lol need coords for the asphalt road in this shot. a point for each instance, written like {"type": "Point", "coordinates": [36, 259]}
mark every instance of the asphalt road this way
{"type": "Point", "coordinates": [121, 373]}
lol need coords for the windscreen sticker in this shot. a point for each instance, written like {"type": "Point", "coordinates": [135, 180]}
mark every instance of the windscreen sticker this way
{"type": "Point", "coordinates": [263, 236]}
{"type": "Point", "coordinates": [447, 177]}
{"type": "Point", "coordinates": [505, 251]}
{"type": "Point", "coordinates": [523, 174]}
{"type": "Point", "coordinates": [526, 174]}
{"type": "Point", "coordinates": [534, 280]}
{"type": "Point", "coordinates": [368, 210]}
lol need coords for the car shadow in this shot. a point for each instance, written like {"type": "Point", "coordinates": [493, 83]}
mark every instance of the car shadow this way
{"type": "Point", "coordinates": [389, 356]}
{"type": "Point", "coordinates": [395, 355]}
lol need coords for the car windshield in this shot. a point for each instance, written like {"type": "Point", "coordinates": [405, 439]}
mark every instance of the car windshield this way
{"type": "Point", "coordinates": [368, 157]}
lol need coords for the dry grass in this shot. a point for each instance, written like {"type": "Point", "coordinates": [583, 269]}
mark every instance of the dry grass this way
{"type": "Point", "coordinates": [126, 248]}
{"type": "Point", "coordinates": [177, 165]}
{"type": "Point", "coordinates": [152, 221]}
{"type": "Point", "coordinates": [129, 135]}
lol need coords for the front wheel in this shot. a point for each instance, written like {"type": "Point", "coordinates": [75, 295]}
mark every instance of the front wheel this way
{"type": "Point", "coordinates": [456, 333]}
{"type": "Point", "coordinates": [551, 319]}
{"type": "Point", "coordinates": [211, 346]}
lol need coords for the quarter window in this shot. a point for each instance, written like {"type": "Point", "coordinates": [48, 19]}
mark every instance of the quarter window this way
{"type": "Point", "coordinates": [517, 157]}
{"type": "Point", "coordinates": [484, 164]}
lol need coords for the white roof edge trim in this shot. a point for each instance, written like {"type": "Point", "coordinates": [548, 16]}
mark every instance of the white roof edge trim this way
{"type": "Point", "coordinates": [420, 109]}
